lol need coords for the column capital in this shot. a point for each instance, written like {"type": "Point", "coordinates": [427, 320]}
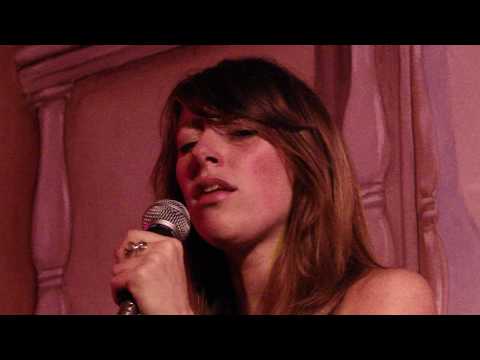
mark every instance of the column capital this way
{"type": "Point", "coordinates": [45, 96]}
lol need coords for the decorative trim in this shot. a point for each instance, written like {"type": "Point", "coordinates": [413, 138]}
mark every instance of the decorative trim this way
{"type": "Point", "coordinates": [51, 94]}
{"type": "Point", "coordinates": [51, 228]}
{"type": "Point", "coordinates": [31, 54]}
{"type": "Point", "coordinates": [373, 195]}
{"type": "Point", "coordinates": [43, 66]}
{"type": "Point", "coordinates": [365, 134]}
{"type": "Point", "coordinates": [432, 258]}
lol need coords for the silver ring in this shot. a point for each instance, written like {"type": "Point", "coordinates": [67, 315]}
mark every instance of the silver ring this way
{"type": "Point", "coordinates": [134, 248]}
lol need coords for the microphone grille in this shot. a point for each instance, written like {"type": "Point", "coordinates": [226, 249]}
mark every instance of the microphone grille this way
{"type": "Point", "coordinates": [171, 211]}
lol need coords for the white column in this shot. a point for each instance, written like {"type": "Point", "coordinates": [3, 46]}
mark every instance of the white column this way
{"type": "Point", "coordinates": [431, 254]}
{"type": "Point", "coordinates": [51, 229]}
{"type": "Point", "coordinates": [365, 134]}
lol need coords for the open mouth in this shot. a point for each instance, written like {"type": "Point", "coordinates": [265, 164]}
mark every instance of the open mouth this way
{"type": "Point", "coordinates": [212, 189]}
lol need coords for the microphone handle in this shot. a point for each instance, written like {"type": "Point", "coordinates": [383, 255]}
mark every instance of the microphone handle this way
{"type": "Point", "coordinates": [128, 306]}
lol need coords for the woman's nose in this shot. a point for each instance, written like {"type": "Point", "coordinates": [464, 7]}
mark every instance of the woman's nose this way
{"type": "Point", "coordinates": [208, 149]}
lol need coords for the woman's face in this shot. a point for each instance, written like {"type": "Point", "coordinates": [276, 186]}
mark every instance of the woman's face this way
{"type": "Point", "coordinates": [234, 183]}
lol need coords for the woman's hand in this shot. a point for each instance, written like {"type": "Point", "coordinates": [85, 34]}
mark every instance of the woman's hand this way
{"type": "Point", "coordinates": [155, 276]}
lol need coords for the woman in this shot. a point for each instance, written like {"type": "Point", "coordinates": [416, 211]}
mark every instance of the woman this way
{"type": "Point", "coordinates": [277, 221]}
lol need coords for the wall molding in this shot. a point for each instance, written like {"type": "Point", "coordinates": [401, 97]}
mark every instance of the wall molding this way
{"type": "Point", "coordinates": [432, 259]}
{"type": "Point", "coordinates": [52, 220]}
{"type": "Point", "coordinates": [40, 67]}
{"type": "Point", "coordinates": [366, 136]}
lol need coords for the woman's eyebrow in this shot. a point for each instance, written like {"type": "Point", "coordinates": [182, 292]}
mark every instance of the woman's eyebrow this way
{"type": "Point", "coordinates": [195, 122]}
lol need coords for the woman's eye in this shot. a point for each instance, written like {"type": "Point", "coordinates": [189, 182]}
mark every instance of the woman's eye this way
{"type": "Point", "coordinates": [243, 133]}
{"type": "Point", "coordinates": [186, 147]}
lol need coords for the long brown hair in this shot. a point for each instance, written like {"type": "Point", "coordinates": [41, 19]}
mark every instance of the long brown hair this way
{"type": "Point", "coordinates": [325, 246]}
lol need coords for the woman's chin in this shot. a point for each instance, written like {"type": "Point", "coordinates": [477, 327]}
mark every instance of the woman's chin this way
{"type": "Point", "coordinates": [218, 234]}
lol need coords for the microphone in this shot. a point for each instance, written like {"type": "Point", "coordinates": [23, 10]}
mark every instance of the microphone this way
{"type": "Point", "coordinates": [164, 217]}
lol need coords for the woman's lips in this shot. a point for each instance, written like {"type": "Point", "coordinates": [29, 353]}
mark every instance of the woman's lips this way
{"type": "Point", "coordinates": [210, 190]}
{"type": "Point", "coordinates": [213, 197]}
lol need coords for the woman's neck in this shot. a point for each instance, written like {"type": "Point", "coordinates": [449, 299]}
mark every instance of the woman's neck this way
{"type": "Point", "coordinates": [250, 271]}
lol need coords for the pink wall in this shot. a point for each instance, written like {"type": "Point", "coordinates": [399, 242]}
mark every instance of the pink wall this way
{"type": "Point", "coordinates": [19, 150]}
{"type": "Point", "coordinates": [453, 74]}
{"type": "Point", "coordinates": [464, 88]}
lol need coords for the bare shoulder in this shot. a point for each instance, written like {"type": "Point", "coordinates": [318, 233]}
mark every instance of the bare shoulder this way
{"type": "Point", "coordinates": [389, 292]}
